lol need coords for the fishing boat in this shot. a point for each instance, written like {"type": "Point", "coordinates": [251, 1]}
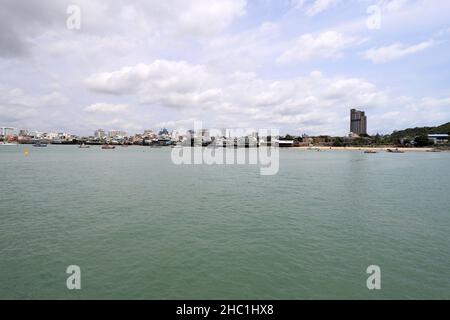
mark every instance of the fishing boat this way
{"type": "Point", "coordinates": [40, 145]}
{"type": "Point", "coordinates": [108, 147]}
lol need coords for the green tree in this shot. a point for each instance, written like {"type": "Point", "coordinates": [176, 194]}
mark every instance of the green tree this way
{"type": "Point", "coordinates": [339, 142]}
{"type": "Point", "coordinates": [422, 141]}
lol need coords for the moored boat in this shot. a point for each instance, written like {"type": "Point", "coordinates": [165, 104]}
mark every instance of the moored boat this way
{"type": "Point", "coordinates": [8, 144]}
{"type": "Point", "coordinates": [370, 151]}
{"type": "Point", "coordinates": [108, 147]}
{"type": "Point", "coordinates": [40, 145]}
{"type": "Point", "coordinates": [395, 151]}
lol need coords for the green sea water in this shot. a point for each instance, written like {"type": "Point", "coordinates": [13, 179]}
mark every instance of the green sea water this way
{"type": "Point", "coordinates": [141, 227]}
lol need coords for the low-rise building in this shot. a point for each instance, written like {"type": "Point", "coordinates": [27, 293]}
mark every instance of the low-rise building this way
{"type": "Point", "coordinates": [324, 140]}
{"type": "Point", "coordinates": [282, 143]}
{"type": "Point", "coordinates": [440, 138]}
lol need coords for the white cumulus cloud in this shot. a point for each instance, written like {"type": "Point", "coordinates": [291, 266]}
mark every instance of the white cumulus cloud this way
{"type": "Point", "coordinates": [320, 5]}
{"type": "Point", "coordinates": [106, 108]}
{"type": "Point", "coordinates": [328, 44]}
{"type": "Point", "coordinates": [395, 51]}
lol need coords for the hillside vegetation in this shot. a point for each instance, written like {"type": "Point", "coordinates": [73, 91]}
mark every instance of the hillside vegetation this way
{"type": "Point", "coordinates": [414, 132]}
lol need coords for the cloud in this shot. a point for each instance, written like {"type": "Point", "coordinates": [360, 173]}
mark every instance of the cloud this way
{"type": "Point", "coordinates": [19, 108]}
{"type": "Point", "coordinates": [210, 17]}
{"type": "Point", "coordinates": [315, 104]}
{"type": "Point", "coordinates": [106, 108]}
{"type": "Point", "coordinates": [298, 4]}
{"type": "Point", "coordinates": [319, 6]}
{"type": "Point", "coordinates": [177, 124]}
{"type": "Point", "coordinates": [175, 84]}
{"type": "Point", "coordinates": [245, 50]}
{"type": "Point", "coordinates": [328, 44]}
{"type": "Point", "coordinates": [215, 61]}
{"type": "Point", "coordinates": [396, 51]}
{"type": "Point", "coordinates": [393, 5]}
{"type": "Point", "coordinates": [21, 21]}
{"type": "Point", "coordinates": [200, 92]}
{"type": "Point", "coordinates": [443, 32]}
{"type": "Point", "coordinates": [179, 17]}
{"type": "Point", "coordinates": [17, 97]}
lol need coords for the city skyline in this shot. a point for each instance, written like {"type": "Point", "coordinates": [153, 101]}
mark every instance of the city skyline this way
{"type": "Point", "coordinates": [358, 126]}
{"type": "Point", "coordinates": [294, 65]}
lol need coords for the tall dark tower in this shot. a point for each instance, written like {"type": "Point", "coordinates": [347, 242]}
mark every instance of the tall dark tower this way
{"type": "Point", "coordinates": [358, 122]}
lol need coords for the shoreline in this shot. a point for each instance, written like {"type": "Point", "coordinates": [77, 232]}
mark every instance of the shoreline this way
{"type": "Point", "coordinates": [380, 149]}
{"type": "Point", "coordinates": [313, 148]}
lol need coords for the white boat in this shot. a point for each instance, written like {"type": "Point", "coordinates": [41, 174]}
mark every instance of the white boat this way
{"type": "Point", "coordinates": [7, 144]}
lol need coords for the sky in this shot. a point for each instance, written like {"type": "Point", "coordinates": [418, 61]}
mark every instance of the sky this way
{"type": "Point", "coordinates": [294, 65]}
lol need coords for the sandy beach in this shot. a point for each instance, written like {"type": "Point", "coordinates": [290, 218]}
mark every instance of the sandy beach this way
{"type": "Point", "coordinates": [376, 149]}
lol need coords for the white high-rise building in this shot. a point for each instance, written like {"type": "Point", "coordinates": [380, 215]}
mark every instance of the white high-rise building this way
{"type": "Point", "coordinates": [7, 131]}
{"type": "Point", "coordinates": [117, 133]}
{"type": "Point", "coordinates": [100, 134]}
{"type": "Point", "coordinates": [226, 133]}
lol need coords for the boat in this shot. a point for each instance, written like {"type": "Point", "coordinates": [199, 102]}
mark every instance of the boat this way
{"type": "Point", "coordinates": [370, 151]}
{"type": "Point", "coordinates": [40, 145]}
{"type": "Point", "coordinates": [395, 151]}
{"type": "Point", "coordinates": [108, 147]}
{"type": "Point", "coordinates": [83, 146]}
{"type": "Point", "coordinates": [8, 144]}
